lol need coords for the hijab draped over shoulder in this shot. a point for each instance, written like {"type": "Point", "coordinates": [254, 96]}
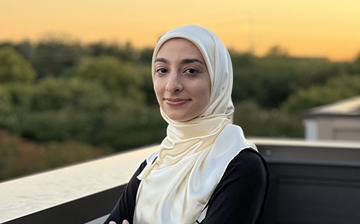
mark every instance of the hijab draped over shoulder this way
{"type": "Point", "coordinates": [180, 178]}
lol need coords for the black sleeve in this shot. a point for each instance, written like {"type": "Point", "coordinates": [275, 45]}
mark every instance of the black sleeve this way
{"type": "Point", "coordinates": [241, 193]}
{"type": "Point", "coordinates": [125, 206]}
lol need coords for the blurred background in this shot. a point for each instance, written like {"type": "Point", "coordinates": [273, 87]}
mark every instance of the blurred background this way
{"type": "Point", "coordinates": [75, 79]}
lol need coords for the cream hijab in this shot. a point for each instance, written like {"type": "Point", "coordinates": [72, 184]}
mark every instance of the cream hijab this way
{"type": "Point", "coordinates": [191, 160]}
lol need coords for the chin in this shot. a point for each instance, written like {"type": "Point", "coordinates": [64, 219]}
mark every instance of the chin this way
{"type": "Point", "coordinates": [177, 118]}
{"type": "Point", "coordinates": [182, 119]}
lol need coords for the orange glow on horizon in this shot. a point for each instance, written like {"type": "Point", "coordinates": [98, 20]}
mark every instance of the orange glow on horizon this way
{"type": "Point", "coordinates": [320, 28]}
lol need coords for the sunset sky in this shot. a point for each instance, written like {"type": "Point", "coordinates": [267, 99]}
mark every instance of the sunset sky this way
{"type": "Point", "coordinates": [305, 28]}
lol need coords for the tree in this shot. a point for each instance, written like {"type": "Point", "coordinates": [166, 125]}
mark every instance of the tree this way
{"type": "Point", "coordinates": [145, 72]}
{"type": "Point", "coordinates": [270, 80]}
{"type": "Point", "coordinates": [125, 52]}
{"type": "Point", "coordinates": [26, 49]}
{"type": "Point", "coordinates": [335, 89]}
{"type": "Point", "coordinates": [116, 76]}
{"type": "Point", "coordinates": [61, 109]}
{"type": "Point", "coordinates": [257, 121]}
{"type": "Point", "coordinates": [55, 55]}
{"type": "Point", "coordinates": [20, 156]}
{"type": "Point", "coordinates": [71, 94]}
{"type": "Point", "coordinates": [277, 52]}
{"type": "Point", "coordinates": [355, 65]}
{"type": "Point", "coordinates": [145, 55]}
{"type": "Point", "coordinates": [14, 68]}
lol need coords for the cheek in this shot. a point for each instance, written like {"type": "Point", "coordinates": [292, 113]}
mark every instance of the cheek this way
{"type": "Point", "coordinates": [203, 88]}
{"type": "Point", "coordinates": [158, 88]}
{"type": "Point", "coordinates": [203, 92]}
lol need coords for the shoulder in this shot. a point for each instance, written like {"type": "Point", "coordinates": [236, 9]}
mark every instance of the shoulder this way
{"type": "Point", "coordinates": [248, 158]}
{"type": "Point", "coordinates": [152, 157]}
{"type": "Point", "coordinates": [241, 192]}
{"type": "Point", "coordinates": [249, 165]}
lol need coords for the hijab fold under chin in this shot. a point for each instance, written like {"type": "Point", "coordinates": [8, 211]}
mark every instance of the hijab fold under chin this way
{"type": "Point", "coordinates": [194, 155]}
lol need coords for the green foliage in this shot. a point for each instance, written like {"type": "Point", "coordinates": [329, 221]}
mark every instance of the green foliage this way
{"type": "Point", "coordinates": [136, 126]}
{"type": "Point", "coordinates": [71, 109]}
{"type": "Point", "coordinates": [335, 89]}
{"type": "Point", "coordinates": [145, 73]}
{"type": "Point", "coordinates": [116, 76]}
{"type": "Point", "coordinates": [19, 157]}
{"type": "Point", "coordinates": [56, 55]}
{"type": "Point", "coordinates": [124, 52]}
{"type": "Point", "coordinates": [54, 94]}
{"type": "Point", "coordinates": [257, 121]}
{"type": "Point", "coordinates": [70, 94]}
{"type": "Point", "coordinates": [102, 94]}
{"type": "Point", "coordinates": [24, 48]}
{"type": "Point", "coordinates": [354, 68]}
{"type": "Point", "coordinates": [17, 94]}
{"type": "Point", "coordinates": [121, 129]}
{"type": "Point", "coordinates": [14, 68]}
{"type": "Point", "coordinates": [145, 55]}
{"type": "Point", "coordinates": [270, 80]}
{"type": "Point", "coordinates": [277, 52]}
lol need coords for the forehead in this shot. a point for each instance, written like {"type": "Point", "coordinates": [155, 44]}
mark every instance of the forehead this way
{"type": "Point", "coordinates": [178, 47]}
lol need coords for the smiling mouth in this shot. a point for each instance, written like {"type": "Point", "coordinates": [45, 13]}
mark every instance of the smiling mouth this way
{"type": "Point", "coordinates": [176, 102]}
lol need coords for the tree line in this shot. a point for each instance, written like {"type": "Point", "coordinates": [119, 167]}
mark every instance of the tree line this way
{"type": "Point", "coordinates": [58, 94]}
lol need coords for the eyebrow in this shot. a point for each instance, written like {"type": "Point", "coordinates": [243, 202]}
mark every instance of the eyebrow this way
{"type": "Point", "coordinates": [184, 61]}
{"type": "Point", "coordinates": [191, 60]}
{"type": "Point", "coordinates": [162, 60]}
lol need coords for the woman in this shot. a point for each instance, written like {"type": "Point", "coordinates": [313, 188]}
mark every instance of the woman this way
{"type": "Point", "coordinates": [205, 170]}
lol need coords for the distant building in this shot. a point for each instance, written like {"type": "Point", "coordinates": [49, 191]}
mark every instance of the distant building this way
{"type": "Point", "coordinates": [336, 121]}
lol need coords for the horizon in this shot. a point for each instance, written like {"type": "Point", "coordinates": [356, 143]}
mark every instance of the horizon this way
{"type": "Point", "coordinates": [321, 29]}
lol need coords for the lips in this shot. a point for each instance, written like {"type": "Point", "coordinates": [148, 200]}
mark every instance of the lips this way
{"type": "Point", "coordinates": [176, 101]}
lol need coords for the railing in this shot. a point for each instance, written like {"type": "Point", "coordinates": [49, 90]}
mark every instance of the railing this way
{"type": "Point", "coordinates": [310, 182]}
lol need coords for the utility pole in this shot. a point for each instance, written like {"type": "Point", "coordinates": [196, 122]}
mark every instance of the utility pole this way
{"type": "Point", "coordinates": [251, 33]}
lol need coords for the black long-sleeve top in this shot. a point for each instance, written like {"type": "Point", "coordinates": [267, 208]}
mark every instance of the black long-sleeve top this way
{"type": "Point", "coordinates": [238, 198]}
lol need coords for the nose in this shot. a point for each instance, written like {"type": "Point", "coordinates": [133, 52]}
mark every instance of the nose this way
{"type": "Point", "coordinates": [174, 83]}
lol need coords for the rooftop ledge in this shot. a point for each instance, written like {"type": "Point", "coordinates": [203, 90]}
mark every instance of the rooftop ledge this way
{"type": "Point", "coordinates": [87, 187]}
{"type": "Point", "coordinates": [31, 194]}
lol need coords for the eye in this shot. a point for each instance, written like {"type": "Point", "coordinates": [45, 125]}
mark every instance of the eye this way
{"type": "Point", "coordinates": [161, 70]}
{"type": "Point", "coordinates": [191, 71]}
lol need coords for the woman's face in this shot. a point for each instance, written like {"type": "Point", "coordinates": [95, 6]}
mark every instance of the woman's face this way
{"type": "Point", "coordinates": [181, 80]}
